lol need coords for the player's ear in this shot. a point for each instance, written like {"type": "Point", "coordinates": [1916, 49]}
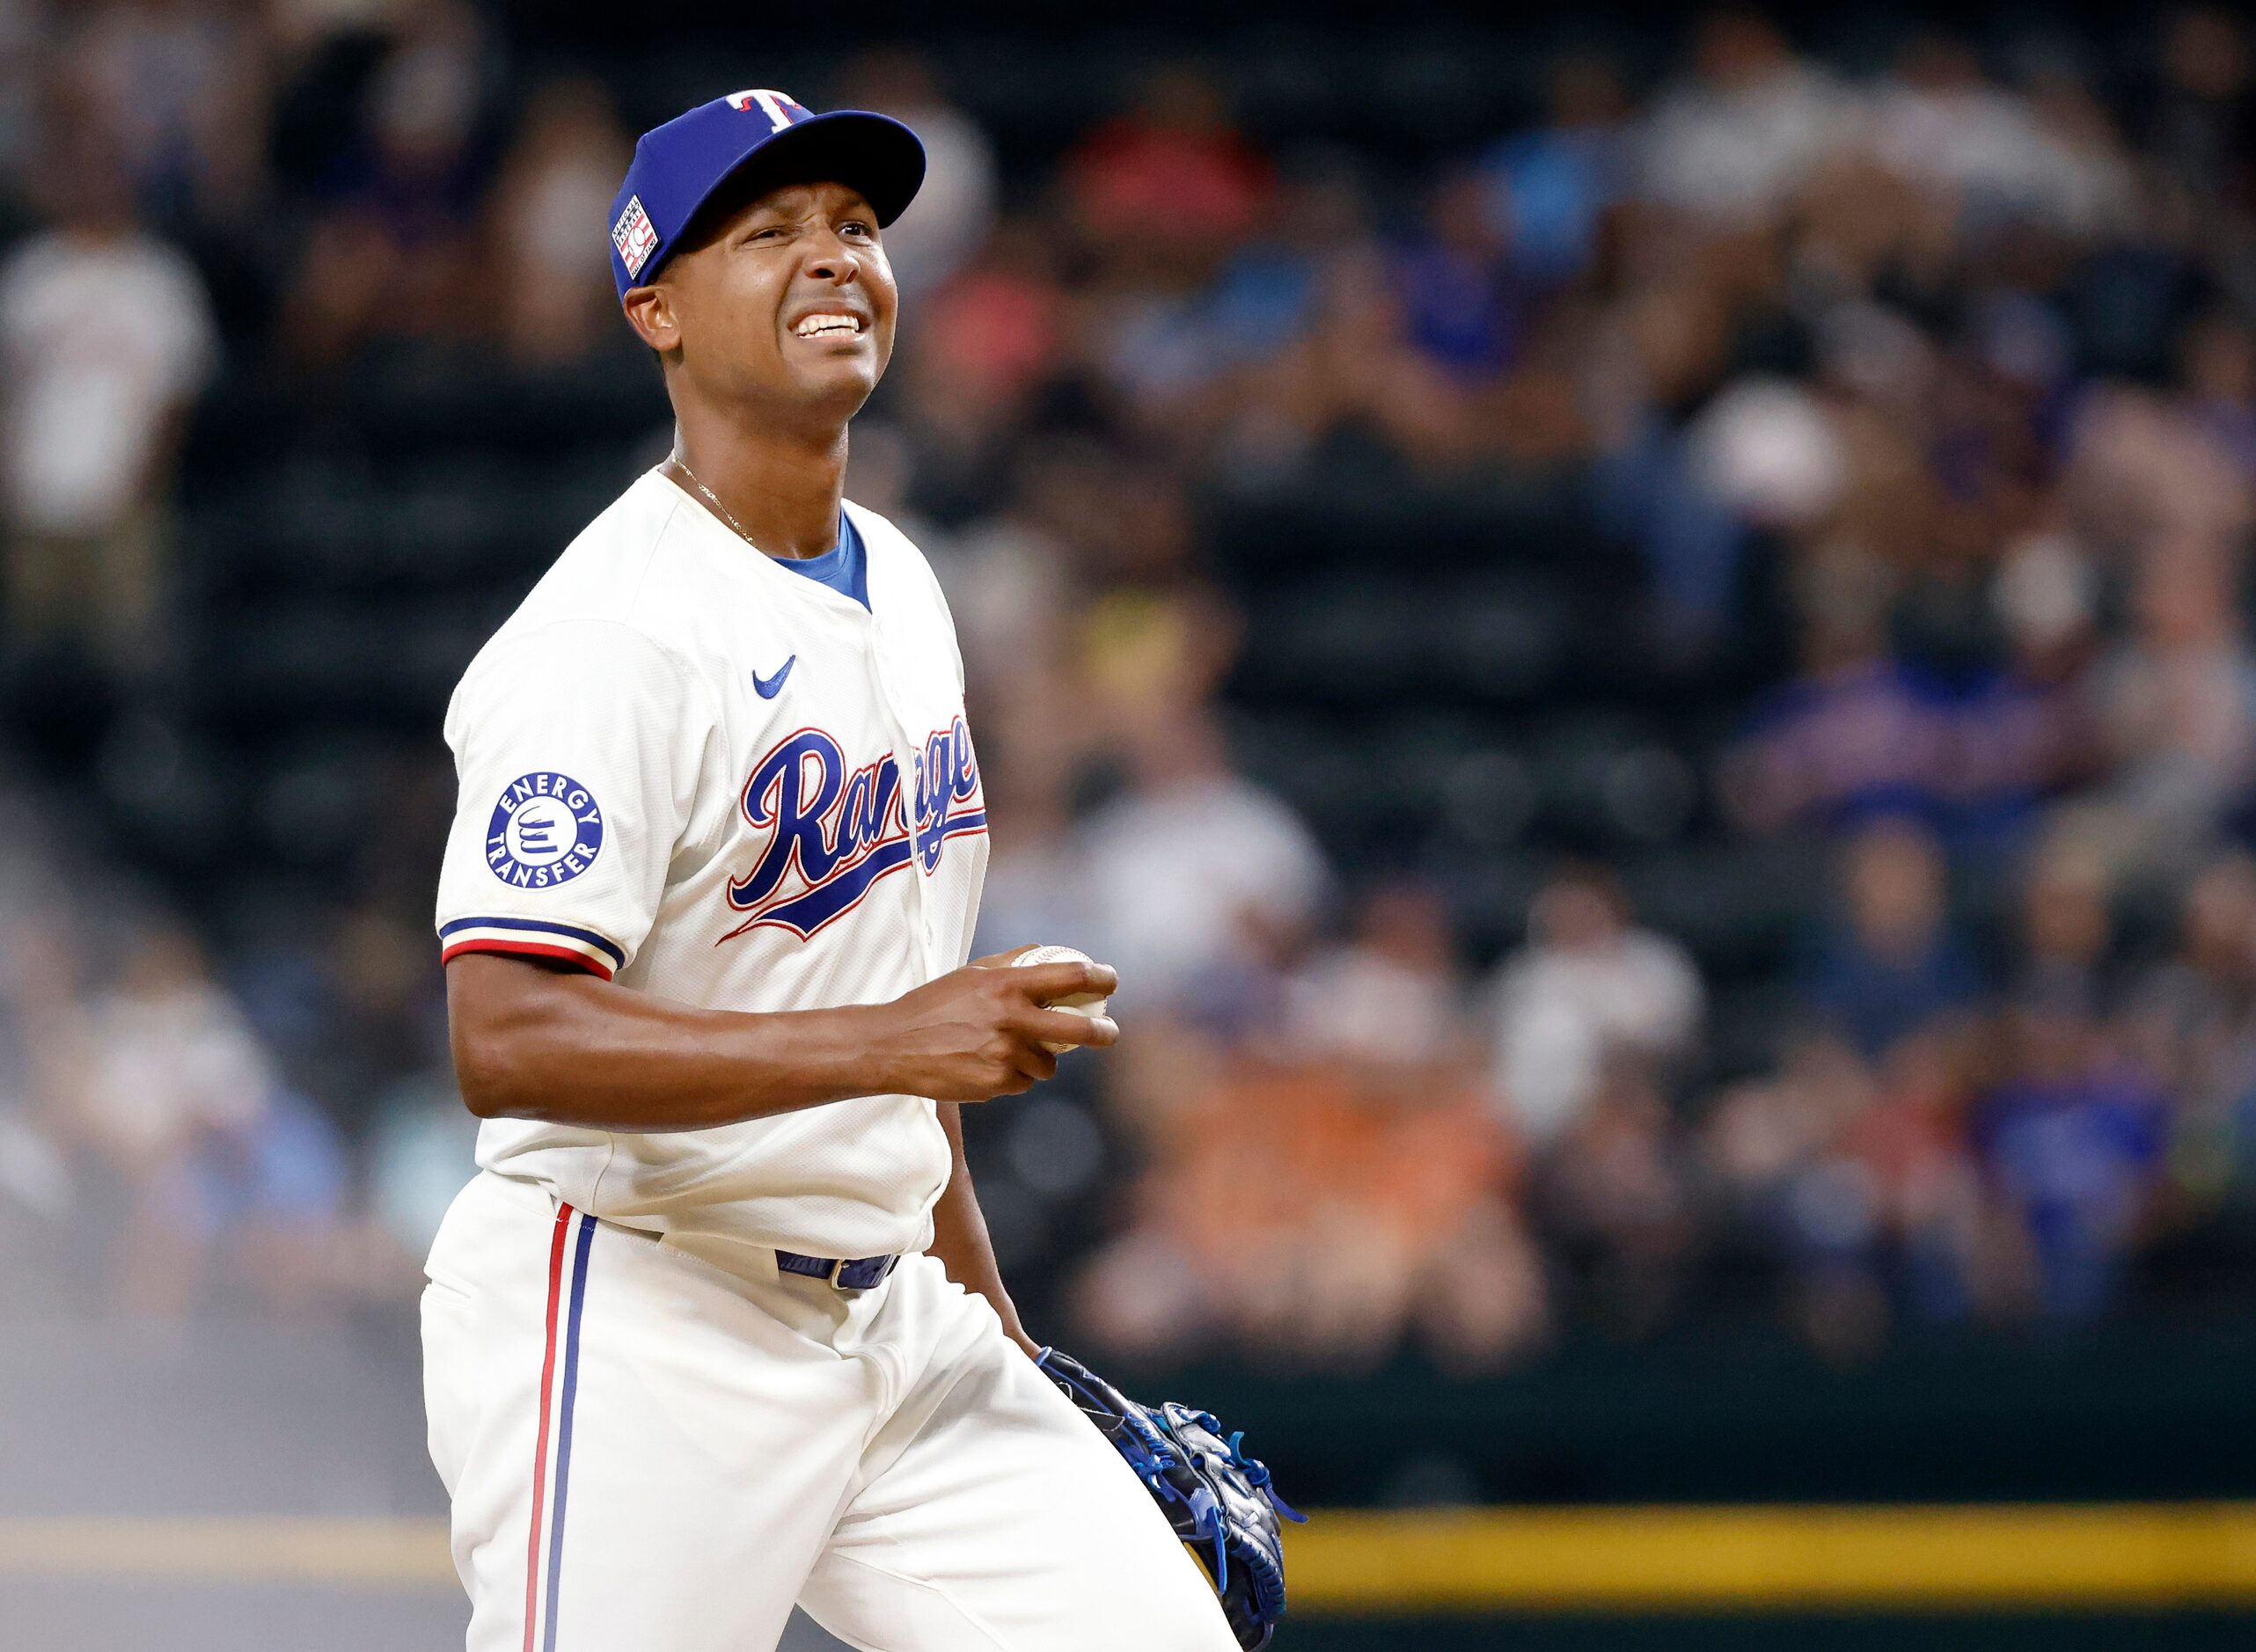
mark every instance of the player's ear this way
{"type": "Point", "coordinates": [650, 312]}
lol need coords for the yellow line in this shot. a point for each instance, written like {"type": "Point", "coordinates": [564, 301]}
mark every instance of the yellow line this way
{"type": "Point", "coordinates": [379, 1553]}
{"type": "Point", "coordinates": [2046, 1556]}
{"type": "Point", "coordinates": [2137, 1555]}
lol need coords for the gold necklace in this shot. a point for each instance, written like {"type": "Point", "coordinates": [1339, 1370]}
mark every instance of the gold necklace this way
{"type": "Point", "coordinates": [712, 500]}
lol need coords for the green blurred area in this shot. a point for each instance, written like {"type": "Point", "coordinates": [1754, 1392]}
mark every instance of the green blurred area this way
{"type": "Point", "coordinates": [2080, 1633]}
{"type": "Point", "coordinates": [1745, 1414]}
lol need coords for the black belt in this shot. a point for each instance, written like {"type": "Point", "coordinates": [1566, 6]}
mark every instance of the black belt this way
{"type": "Point", "coordinates": [859, 1274]}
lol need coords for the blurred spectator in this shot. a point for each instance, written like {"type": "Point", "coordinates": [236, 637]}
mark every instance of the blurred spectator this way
{"type": "Point", "coordinates": [2178, 701]}
{"type": "Point", "coordinates": [1766, 451]}
{"type": "Point", "coordinates": [985, 348]}
{"type": "Point", "coordinates": [955, 209]}
{"type": "Point", "coordinates": [1393, 999]}
{"type": "Point", "coordinates": [1648, 493]}
{"type": "Point", "coordinates": [1550, 188]}
{"type": "Point", "coordinates": [2150, 478]}
{"type": "Point", "coordinates": [1336, 1183]}
{"type": "Point", "coordinates": [1733, 140]}
{"type": "Point", "coordinates": [2021, 733]}
{"type": "Point", "coordinates": [390, 1012]}
{"type": "Point", "coordinates": [1195, 871]}
{"type": "Point", "coordinates": [1592, 1007]}
{"type": "Point", "coordinates": [1036, 891]}
{"type": "Point", "coordinates": [421, 1150]}
{"type": "Point", "coordinates": [303, 26]}
{"type": "Point", "coordinates": [2071, 1142]}
{"type": "Point", "coordinates": [1853, 733]}
{"type": "Point", "coordinates": [176, 1098]}
{"type": "Point", "coordinates": [2220, 372]}
{"type": "Point", "coordinates": [2193, 1017]}
{"type": "Point", "coordinates": [556, 295]}
{"type": "Point", "coordinates": [47, 1206]}
{"type": "Point", "coordinates": [992, 338]}
{"type": "Point", "coordinates": [1460, 287]}
{"type": "Point", "coordinates": [396, 247]}
{"type": "Point", "coordinates": [1010, 581]}
{"type": "Point", "coordinates": [1155, 636]}
{"type": "Point", "coordinates": [2199, 125]}
{"type": "Point", "coordinates": [1172, 182]}
{"type": "Point", "coordinates": [1356, 370]}
{"type": "Point", "coordinates": [168, 1057]}
{"type": "Point", "coordinates": [1892, 966]}
{"type": "Point", "coordinates": [1611, 1193]}
{"type": "Point", "coordinates": [1860, 1179]}
{"type": "Point", "coordinates": [106, 336]}
{"type": "Point", "coordinates": [1321, 1219]}
{"type": "Point", "coordinates": [183, 84]}
{"type": "Point", "coordinates": [1186, 356]}
{"type": "Point", "coordinates": [1943, 126]}
{"type": "Point", "coordinates": [2068, 931]}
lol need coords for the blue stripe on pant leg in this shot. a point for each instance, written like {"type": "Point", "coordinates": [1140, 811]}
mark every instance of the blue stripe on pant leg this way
{"type": "Point", "coordinates": [564, 1423]}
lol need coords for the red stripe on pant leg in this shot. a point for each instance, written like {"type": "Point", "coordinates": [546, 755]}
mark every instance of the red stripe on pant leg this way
{"type": "Point", "coordinates": [540, 1450]}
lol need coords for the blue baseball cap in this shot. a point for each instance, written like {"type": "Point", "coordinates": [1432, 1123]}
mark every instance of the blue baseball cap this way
{"type": "Point", "coordinates": [678, 166]}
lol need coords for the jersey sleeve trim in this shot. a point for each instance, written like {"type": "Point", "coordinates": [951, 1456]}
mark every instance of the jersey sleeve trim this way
{"type": "Point", "coordinates": [534, 939]}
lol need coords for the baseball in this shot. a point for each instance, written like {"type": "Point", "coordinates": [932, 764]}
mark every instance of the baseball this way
{"type": "Point", "coordinates": [1089, 1003]}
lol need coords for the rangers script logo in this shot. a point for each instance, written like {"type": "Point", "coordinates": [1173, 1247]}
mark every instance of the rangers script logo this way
{"type": "Point", "coordinates": [834, 834]}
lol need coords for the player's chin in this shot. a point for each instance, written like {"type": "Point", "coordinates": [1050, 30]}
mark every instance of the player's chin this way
{"type": "Point", "coordinates": [846, 373]}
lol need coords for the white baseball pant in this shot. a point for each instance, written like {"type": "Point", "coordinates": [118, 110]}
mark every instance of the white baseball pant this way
{"type": "Point", "coordinates": [650, 1451]}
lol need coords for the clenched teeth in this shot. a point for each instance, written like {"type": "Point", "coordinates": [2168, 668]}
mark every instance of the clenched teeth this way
{"type": "Point", "coordinates": [828, 326]}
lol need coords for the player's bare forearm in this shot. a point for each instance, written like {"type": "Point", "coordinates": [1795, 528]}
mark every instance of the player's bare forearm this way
{"type": "Point", "coordinates": [959, 1236]}
{"type": "Point", "coordinates": [530, 1042]}
{"type": "Point", "coordinates": [534, 1042]}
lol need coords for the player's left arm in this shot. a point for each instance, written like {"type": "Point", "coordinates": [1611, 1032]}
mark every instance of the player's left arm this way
{"type": "Point", "coordinates": [959, 1235]}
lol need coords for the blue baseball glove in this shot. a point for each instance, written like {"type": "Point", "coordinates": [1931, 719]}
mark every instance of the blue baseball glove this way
{"type": "Point", "coordinates": [1217, 1499]}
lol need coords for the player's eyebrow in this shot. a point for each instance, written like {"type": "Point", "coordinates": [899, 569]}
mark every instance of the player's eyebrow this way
{"type": "Point", "coordinates": [801, 201]}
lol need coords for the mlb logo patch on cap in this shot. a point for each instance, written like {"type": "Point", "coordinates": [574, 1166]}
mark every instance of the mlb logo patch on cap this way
{"type": "Point", "coordinates": [635, 236]}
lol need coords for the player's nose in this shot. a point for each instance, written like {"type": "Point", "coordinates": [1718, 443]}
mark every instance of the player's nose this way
{"type": "Point", "coordinates": [830, 258]}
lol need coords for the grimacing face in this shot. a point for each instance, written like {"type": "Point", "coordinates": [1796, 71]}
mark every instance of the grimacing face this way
{"type": "Point", "coordinates": [786, 300]}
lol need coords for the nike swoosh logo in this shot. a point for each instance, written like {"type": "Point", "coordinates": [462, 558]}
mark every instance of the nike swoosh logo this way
{"type": "Point", "coordinates": [768, 687]}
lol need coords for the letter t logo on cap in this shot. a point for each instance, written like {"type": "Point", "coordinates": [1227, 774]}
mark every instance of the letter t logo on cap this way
{"type": "Point", "coordinates": [780, 108]}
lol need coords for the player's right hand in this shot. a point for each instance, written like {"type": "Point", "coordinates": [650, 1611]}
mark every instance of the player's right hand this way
{"type": "Point", "coordinates": [978, 1031]}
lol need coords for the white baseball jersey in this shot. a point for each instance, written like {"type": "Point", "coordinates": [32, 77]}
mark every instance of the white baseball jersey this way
{"type": "Point", "coordinates": [689, 769]}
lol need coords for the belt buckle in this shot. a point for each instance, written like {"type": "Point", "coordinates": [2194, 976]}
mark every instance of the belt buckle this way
{"type": "Point", "coordinates": [837, 1268]}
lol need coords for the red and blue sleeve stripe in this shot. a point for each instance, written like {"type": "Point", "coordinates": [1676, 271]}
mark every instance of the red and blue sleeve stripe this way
{"type": "Point", "coordinates": [532, 938]}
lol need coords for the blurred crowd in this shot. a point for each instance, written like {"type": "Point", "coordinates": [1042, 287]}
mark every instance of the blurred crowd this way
{"type": "Point", "coordinates": [1920, 392]}
{"type": "Point", "coordinates": [168, 1138]}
